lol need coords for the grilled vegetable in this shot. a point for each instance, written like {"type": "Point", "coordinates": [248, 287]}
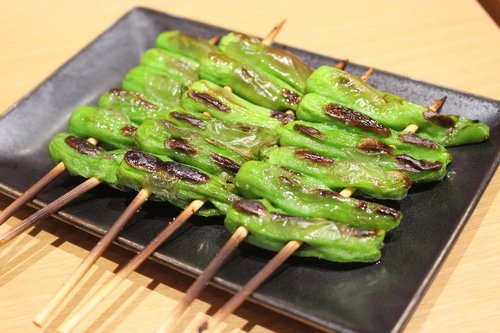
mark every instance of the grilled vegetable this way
{"type": "Point", "coordinates": [178, 67]}
{"type": "Point", "coordinates": [271, 229]}
{"type": "Point", "coordinates": [335, 143]}
{"type": "Point", "coordinates": [340, 173]}
{"type": "Point", "coordinates": [301, 195]}
{"type": "Point", "coordinates": [155, 84]}
{"type": "Point", "coordinates": [162, 137]}
{"type": "Point", "coordinates": [272, 60]}
{"type": "Point", "coordinates": [349, 93]}
{"type": "Point", "coordinates": [249, 82]}
{"type": "Point", "coordinates": [184, 44]}
{"type": "Point", "coordinates": [84, 159]}
{"type": "Point", "coordinates": [220, 103]}
{"type": "Point", "coordinates": [174, 182]}
{"type": "Point", "coordinates": [110, 126]}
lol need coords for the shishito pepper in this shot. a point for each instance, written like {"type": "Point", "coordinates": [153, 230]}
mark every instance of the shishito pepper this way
{"type": "Point", "coordinates": [162, 137]}
{"type": "Point", "coordinates": [272, 60]}
{"type": "Point", "coordinates": [301, 195]}
{"type": "Point", "coordinates": [340, 173]}
{"type": "Point", "coordinates": [184, 44]}
{"type": "Point", "coordinates": [335, 143]}
{"type": "Point", "coordinates": [249, 82]}
{"type": "Point", "coordinates": [244, 138]}
{"type": "Point", "coordinates": [84, 159]}
{"type": "Point", "coordinates": [179, 67]}
{"type": "Point", "coordinates": [205, 96]}
{"type": "Point", "coordinates": [271, 229]}
{"type": "Point", "coordinates": [155, 84]}
{"type": "Point", "coordinates": [349, 92]}
{"type": "Point", "coordinates": [176, 183]}
{"type": "Point", "coordinates": [110, 126]}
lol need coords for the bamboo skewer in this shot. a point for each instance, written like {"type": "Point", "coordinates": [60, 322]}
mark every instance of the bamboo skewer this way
{"type": "Point", "coordinates": [141, 197]}
{"type": "Point", "coordinates": [51, 208]}
{"type": "Point", "coordinates": [132, 265]}
{"type": "Point", "coordinates": [34, 189]}
{"type": "Point", "coordinates": [271, 36]}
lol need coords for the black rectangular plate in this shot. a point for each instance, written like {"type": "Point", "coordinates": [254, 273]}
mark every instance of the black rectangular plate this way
{"type": "Point", "coordinates": [348, 298]}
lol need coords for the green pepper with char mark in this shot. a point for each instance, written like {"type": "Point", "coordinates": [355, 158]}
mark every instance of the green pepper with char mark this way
{"type": "Point", "coordinates": [350, 92]}
{"type": "Point", "coordinates": [184, 44]}
{"type": "Point", "coordinates": [178, 67]}
{"type": "Point", "coordinates": [302, 195]}
{"type": "Point", "coordinates": [272, 229]}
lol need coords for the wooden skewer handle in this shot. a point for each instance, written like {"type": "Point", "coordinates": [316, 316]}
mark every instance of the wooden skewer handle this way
{"type": "Point", "coordinates": [51, 208]}
{"type": "Point", "coordinates": [192, 208]}
{"type": "Point", "coordinates": [141, 197]}
{"type": "Point", "coordinates": [31, 192]}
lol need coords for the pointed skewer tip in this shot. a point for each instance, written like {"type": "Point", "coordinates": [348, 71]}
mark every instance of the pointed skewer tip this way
{"type": "Point", "coordinates": [271, 36]}
{"type": "Point", "coordinates": [367, 74]}
{"type": "Point", "coordinates": [436, 107]}
{"type": "Point", "coordinates": [342, 64]}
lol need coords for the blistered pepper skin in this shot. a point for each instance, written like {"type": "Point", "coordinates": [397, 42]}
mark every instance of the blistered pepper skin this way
{"type": "Point", "coordinates": [84, 159]}
{"type": "Point", "coordinates": [249, 82]}
{"type": "Point", "coordinates": [178, 67]}
{"type": "Point", "coordinates": [106, 125]}
{"type": "Point", "coordinates": [272, 60]}
{"type": "Point", "coordinates": [340, 173]}
{"type": "Point", "coordinates": [335, 143]}
{"type": "Point", "coordinates": [220, 103]}
{"type": "Point", "coordinates": [176, 183]}
{"type": "Point", "coordinates": [271, 229]}
{"type": "Point", "coordinates": [155, 84]}
{"type": "Point", "coordinates": [162, 137]}
{"type": "Point", "coordinates": [393, 111]}
{"type": "Point", "coordinates": [183, 44]}
{"type": "Point", "coordinates": [301, 195]}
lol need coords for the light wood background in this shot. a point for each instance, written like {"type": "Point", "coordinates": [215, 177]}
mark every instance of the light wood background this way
{"type": "Point", "coordinates": [452, 43]}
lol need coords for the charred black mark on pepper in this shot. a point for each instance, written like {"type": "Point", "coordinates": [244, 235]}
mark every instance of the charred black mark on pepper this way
{"type": "Point", "coordinates": [287, 180]}
{"type": "Point", "coordinates": [181, 145]}
{"type": "Point", "coordinates": [128, 130]}
{"type": "Point", "coordinates": [354, 118]}
{"type": "Point", "coordinates": [291, 97]}
{"type": "Point", "coordinates": [283, 117]}
{"type": "Point", "coordinates": [208, 100]}
{"type": "Point", "coordinates": [313, 157]}
{"type": "Point", "coordinates": [250, 207]}
{"type": "Point", "coordinates": [187, 118]}
{"type": "Point", "coordinates": [412, 164]}
{"type": "Point", "coordinates": [417, 140]}
{"type": "Point", "coordinates": [374, 145]}
{"type": "Point", "coordinates": [225, 162]}
{"type": "Point", "coordinates": [153, 164]}
{"type": "Point", "coordinates": [329, 194]}
{"type": "Point", "coordinates": [82, 146]}
{"type": "Point", "coordinates": [213, 142]}
{"type": "Point", "coordinates": [439, 119]}
{"type": "Point", "coordinates": [138, 98]}
{"type": "Point", "coordinates": [388, 211]}
{"type": "Point", "coordinates": [360, 204]}
{"type": "Point", "coordinates": [309, 131]}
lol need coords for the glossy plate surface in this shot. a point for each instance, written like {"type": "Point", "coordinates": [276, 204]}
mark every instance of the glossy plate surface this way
{"type": "Point", "coordinates": [347, 298]}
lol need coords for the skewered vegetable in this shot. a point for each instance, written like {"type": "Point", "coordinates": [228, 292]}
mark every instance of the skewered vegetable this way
{"type": "Point", "coordinates": [272, 60]}
{"type": "Point", "coordinates": [249, 82]}
{"type": "Point", "coordinates": [340, 173]}
{"type": "Point", "coordinates": [348, 92]}
{"type": "Point", "coordinates": [179, 67]}
{"type": "Point", "coordinates": [271, 229]}
{"type": "Point", "coordinates": [184, 44]}
{"type": "Point", "coordinates": [301, 195]}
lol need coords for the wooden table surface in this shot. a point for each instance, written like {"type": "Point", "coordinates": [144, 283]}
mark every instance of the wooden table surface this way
{"type": "Point", "coordinates": [451, 43]}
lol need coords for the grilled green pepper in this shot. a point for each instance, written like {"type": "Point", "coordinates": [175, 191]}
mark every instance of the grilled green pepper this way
{"type": "Point", "coordinates": [272, 60]}
{"type": "Point", "coordinates": [301, 195]}
{"type": "Point", "coordinates": [133, 104]}
{"type": "Point", "coordinates": [110, 126]}
{"type": "Point", "coordinates": [179, 67]}
{"type": "Point", "coordinates": [204, 96]}
{"type": "Point", "coordinates": [272, 230]}
{"type": "Point", "coordinates": [249, 82]}
{"type": "Point", "coordinates": [184, 44]}
{"type": "Point", "coordinates": [335, 143]}
{"type": "Point", "coordinates": [162, 137]}
{"type": "Point", "coordinates": [340, 173]}
{"type": "Point", "coordinates": [155, 84]}
{"type": "Point", "coordinates": [176, 183]}
{"type": "Point", "coordinates": [350, 92]}
{"type": "Point", "coordinates": [84, 159]}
